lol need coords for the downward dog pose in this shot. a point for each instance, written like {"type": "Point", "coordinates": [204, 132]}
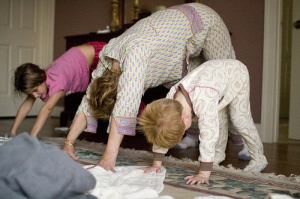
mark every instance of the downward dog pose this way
{"type": "Point", "coordinates": [159, 49]}
{"type": "Point", "coordinates": [68, 74]}
{"type": "Point", "coordinates": [207, 93]}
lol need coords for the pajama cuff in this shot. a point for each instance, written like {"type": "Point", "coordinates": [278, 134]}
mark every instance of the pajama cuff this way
{"type": "Point", "coordinates": [206, 166]}
{"type": "Point", "coordinates": [158, 156]}
{"type": "Point", "coordinates": [126, 125]}
{"type": "Point", "coordinates": [92, 123]}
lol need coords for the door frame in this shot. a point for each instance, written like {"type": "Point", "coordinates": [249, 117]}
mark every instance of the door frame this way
{"type": "Point", "coordinates": [46, 43]}
{"type": "Point", "coordinates": [271, 71]}
{"type": "Point", "coordinates": [47, 32]}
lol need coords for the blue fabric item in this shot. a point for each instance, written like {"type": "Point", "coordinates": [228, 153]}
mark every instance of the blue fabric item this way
{"type": "Point", "coordinates": [30, 168]}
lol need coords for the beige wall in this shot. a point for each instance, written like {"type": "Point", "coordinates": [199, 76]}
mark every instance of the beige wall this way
{"type": "Point", "coordinates": [73, 17]}
{"type": "Point", "coordinates": [245, 19]}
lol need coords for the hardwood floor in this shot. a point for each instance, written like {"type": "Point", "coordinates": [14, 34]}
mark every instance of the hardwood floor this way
{"type": "Point", "coordinates": [283, 157]}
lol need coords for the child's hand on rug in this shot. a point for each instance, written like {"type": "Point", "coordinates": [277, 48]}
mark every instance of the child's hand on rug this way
{"type": "Point", "coordinates": [201, 178]}
{"type": "Point", "coordinates": [150, 169]}
{"type": "Point", "coordinates": [69, 149]}
{"type": "Point", "coordinates": [156, 166]}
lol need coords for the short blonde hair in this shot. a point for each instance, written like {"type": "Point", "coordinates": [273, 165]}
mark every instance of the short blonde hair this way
{"type": "Point", "coordinates": [161, 122]}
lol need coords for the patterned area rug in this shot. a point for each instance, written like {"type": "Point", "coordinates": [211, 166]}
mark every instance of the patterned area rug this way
{"type": "Point", "coordinates": [230, 182]}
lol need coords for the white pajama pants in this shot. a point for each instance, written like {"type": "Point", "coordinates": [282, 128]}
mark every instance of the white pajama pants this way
{"type": "Point", "coordinates": [240, 115]}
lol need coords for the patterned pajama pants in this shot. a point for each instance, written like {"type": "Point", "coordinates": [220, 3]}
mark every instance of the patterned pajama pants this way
{"type": "Point", "coordinates": [239, 114]}
{"type": "Point", "coordinates": [233, 134]}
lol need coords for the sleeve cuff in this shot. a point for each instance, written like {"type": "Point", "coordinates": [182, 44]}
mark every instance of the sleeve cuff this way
{"type": "Point", "coordinates": [157, 149]}
{"type": "Point", "coordinates": [206, 166]}
{"type": "Point", "coordinates": [158, 157]}
{"type": "Point", "coordinates": [126, 125]}
{"type": "Point", "coordinates": [92, 123]}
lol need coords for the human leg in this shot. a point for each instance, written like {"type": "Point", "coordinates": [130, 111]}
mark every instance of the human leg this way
{"type": "Point", "coordinates": [244, 154]}
{"type": "Point", "coordinates": [236, 138]}
{"type": "Point", "coordinates": [240, 115]}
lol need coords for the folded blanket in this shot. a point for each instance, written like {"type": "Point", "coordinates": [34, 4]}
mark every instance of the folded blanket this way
{"type": "Point", "coordinates": [128, 182]}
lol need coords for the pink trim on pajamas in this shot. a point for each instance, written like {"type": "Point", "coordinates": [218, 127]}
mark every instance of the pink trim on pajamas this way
{"type": "Point", "coordinates": [192, 15]}
{"type": "Point", "coordinates": [92, 123]}
{"type": "Point", "coordinates": [126, 125]}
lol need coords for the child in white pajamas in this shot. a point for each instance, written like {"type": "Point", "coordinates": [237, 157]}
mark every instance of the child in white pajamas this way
{"type": "Point", "coordinates": [211, 92]}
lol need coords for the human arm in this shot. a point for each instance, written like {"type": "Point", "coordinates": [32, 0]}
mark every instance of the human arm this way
{"type": "Point", "coordinates": [22, 112]}
{"type": "Point", "coordinates": [130, 90]}
{"type": "Point", "coordinates": [156, 166]}
{"type": "Point", "coordinates": [76, 129]}
{"type": "Point", "coordinates": [45, 112]}
{"type": "Point", "coordinates": [206, 109]}
{"type": "Point", "coordinates": [81, 121]}
{"type": "Point", "coordinates": [83, 118]}
{"type": "Point", "coordinates": [201, 178]}
{"type": "Point", "coordinates": [108, 159]}
{"type": "Point", "coordinates": [158, 156]}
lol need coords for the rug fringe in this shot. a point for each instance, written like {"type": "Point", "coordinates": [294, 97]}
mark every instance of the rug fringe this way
{"type": "Point", "coordinates": [291, 178]}
{"type": "Point", "coordinates": [147, 154]}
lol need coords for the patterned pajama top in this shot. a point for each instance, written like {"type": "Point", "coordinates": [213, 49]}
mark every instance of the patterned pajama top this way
{"type": "Point", "coordinates": [208, 89]}
{"type": "Point", "coordinates": [159, 49]}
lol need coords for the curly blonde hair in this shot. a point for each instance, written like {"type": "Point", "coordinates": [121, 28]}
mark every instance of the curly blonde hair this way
{"type": "Point", "coordinates": [161, 122]}
{"type": "Point", "coordinates": [103, 94]}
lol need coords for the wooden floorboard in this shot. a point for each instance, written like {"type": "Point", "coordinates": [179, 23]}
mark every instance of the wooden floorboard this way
{"type": "Point", "coordinates": [283, 158]}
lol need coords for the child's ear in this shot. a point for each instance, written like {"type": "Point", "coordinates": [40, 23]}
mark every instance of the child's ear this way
{"type": "Point", "coordinates": [184, 118]}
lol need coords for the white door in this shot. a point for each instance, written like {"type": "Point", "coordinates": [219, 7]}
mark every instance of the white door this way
{"type": "Point", "coordinates": [294, 119]}
{"type": "Point", "coordinates": [22, 39]}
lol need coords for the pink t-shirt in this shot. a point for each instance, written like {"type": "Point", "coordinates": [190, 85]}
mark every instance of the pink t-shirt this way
{"type": "Point", "coordinates": [70, 72]}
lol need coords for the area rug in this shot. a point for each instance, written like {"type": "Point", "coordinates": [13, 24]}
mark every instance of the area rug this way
{"type": "Point", "coordinates": [230, 182]}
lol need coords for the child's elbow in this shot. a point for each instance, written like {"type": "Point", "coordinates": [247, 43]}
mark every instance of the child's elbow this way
{"type": "Point", "coordinates": [48, 108]}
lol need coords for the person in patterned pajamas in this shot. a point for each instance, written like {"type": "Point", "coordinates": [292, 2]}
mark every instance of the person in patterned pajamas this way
{"type": "Point", "coordinates": [211, 92]}
{"type": "Point", "coordinates": [157, 50]}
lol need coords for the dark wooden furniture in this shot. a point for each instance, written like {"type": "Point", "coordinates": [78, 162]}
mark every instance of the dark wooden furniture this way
{"type": "Point", "coordinates": [75, 40]}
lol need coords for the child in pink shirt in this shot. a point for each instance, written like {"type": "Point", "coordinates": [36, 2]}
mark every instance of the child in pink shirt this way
{"type": "Point", "coordinates": [68, 74]}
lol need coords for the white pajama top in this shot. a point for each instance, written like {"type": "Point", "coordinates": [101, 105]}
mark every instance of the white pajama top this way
{"type": "Point", "coordinates": [208, 89]}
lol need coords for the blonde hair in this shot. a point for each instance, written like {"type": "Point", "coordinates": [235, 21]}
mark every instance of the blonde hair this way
{"type": "Point", "coordinates": [161, 122]}
{"type": "Point", "coordinates": [28, 76]}
{"type": "Point", "coordinates": [103, 94]}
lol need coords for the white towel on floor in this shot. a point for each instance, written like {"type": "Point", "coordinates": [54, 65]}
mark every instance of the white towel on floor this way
{"type": "Point", "coordinates": [128, 182]}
